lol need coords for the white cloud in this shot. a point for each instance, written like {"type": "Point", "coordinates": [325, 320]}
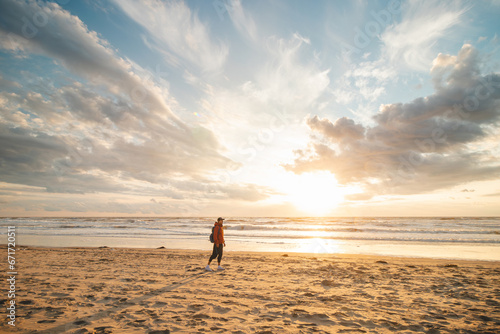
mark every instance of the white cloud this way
{"type": "Point", "coordinates": [364, 84]}
{"type": "Point", "coordinates": [242, 20]}
{"type": "Point", "coordinates": [254, 115]}
{"type": "Point", "coordinates": [177, 32]}
{"type": "Point", "coordinates": [287, 79]}
{"type": "Point", "coordinates": [411, 42]}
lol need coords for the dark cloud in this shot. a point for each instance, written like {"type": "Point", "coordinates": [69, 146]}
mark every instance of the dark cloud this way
{"type": "Point", "coordinates": [35, 158]}
{"type": "Point", "coordinates": [427, 144]}
{"type": "Point", "coordinates": [7, 84]}
{"type": "Point", "coordinates": [343, 130]}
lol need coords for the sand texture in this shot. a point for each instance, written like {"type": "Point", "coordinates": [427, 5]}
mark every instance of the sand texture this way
{"type": "Point", "coordinates": [108, 290]}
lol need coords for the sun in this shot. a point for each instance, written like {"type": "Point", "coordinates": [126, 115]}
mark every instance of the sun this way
{"type": "Point", "coordinates": [314, 193]}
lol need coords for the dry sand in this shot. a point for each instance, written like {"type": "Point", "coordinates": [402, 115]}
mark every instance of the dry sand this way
{"type": "Point", "coordinates": [107, 290]}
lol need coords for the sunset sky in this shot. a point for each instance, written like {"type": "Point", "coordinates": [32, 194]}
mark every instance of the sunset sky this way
{"type": "Point", "coordinates": [251, 108]}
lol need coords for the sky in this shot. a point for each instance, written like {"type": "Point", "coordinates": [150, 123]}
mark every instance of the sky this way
{"type": "Point", "coordinates": [249, 108]}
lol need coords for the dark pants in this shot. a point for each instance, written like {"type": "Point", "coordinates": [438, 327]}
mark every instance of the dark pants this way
{"type": "Point", "coordinates": [217, 253]}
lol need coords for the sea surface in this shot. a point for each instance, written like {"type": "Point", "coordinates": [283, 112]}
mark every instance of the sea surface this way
{"type": "Point", "coordinates": [471, 238]}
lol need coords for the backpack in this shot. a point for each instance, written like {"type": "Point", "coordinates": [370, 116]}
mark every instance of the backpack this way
{"type": "Point", "coordinates": [212, 239]}
{"type": "Point", "coordinates": [212, 235]}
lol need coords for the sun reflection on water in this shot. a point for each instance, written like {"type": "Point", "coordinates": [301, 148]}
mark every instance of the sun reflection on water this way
{"type": "Point", "coordinates": [320, 246]}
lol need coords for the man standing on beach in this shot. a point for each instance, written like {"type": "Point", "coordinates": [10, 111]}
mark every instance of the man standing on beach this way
{"type": "Point", "coordinates": [219, 244]}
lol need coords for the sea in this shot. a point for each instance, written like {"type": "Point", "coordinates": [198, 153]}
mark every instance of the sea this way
{"type": "Point", "coordinates": [464, 238]}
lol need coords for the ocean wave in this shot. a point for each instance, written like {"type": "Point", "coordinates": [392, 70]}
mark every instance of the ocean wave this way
{"type": "Point", "coordinates": [359, 229]}
{"type": "Point", "coordinates": [439, 229]}
{"type": "Point", "coordinates": [264, 238]}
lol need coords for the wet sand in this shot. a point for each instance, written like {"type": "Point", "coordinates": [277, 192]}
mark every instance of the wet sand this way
{"type": "Point", "coordinates": [119, 290]}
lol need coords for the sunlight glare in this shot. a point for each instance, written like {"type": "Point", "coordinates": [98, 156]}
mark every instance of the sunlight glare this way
{"type": "Point", "coordinates": [316, 194]}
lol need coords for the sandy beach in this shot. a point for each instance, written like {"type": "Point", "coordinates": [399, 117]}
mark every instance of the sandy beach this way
{"type": "Point", "coordinates": [119, 290]}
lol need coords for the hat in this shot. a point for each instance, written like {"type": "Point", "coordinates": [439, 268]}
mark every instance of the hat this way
{"type": "Point", "coordinates": [220, 218]}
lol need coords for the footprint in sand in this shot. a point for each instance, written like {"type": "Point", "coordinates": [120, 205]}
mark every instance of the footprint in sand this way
{"type": "Point", "coordinates": [24, 302]}
{"type": "Point", "coordinates": [57, 294]}
{"type": "Point", "coordinates": [81, 323]}
{"type": "Point", "coordinates": [46, 321]}
{"type": "Point", "coordinates": [327, 284]}
{"type": "Point", "coordinates": [82, 331]}
{"type": "Point", "coordinates": [221, 310]}
{"type": "Point", "coordinates": [200, 316]}
{"type": "Point", "coordinates": [103, 330]}
{"type": "Point", "coordinates": [195, 307]}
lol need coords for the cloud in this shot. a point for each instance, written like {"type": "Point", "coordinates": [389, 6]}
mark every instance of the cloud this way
{"type": "Point", "coordinates": [285, 87]}
{"type": "Point", "coordinates": [467, 191]}
{"type": "Point", "coordinates": [429, 143]}
{"type": "Point", "coordinates": [422, 25]}
{"type": "Point", "coordinates": [46, 149]}
{"type": "Point", "coordinates": [177, 32]}
{"type": "Point", "coordinates": [366, 80]}
{"type": "Point", "coordinates": [7, 84]}
{"type": "Point", "coordinates": [407, 45]}
{"type": "Point", "coordinates": [344, 129]}
{"type": "Point", "coordinates": [289, 80]}
{"type": "Point", "coordinates": [81, 51]}
{"type": "Point", "coordinates": [112, 132]}
{"type": "Point", "coordinates": [242, 20]}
